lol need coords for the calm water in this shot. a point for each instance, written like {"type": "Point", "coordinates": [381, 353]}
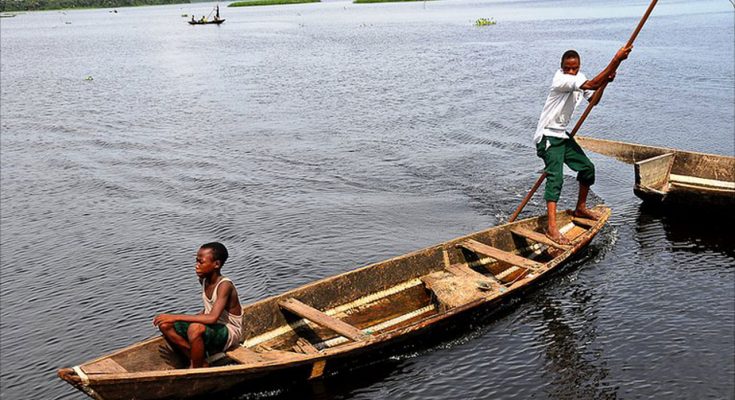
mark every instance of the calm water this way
{"type": "Point", "coordinates": [314, 139]}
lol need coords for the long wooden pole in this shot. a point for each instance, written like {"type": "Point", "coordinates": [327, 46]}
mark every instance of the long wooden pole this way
{"type": "Point", "coordinates": [593, 102]}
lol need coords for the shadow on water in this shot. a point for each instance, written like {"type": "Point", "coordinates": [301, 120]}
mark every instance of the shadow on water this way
{"type": "Point", "coordinates": [688, 230]}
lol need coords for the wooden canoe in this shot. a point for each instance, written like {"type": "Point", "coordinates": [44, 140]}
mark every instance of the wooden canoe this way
{"type": "Point", "coordinates": [214, 21]}
{"type": "Point", "coordinates": [337, 321]}
{"type": "Point", "coordinates": [673, 177]}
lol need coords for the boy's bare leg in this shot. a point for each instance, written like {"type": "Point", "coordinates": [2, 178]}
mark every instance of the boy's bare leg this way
{"type": "Point", "coordinates": [551, 230]}
{"type": "Point", "coordinates": [582, 210]}
{"type": "Point", "coordinates": [170, 334]}
{"type": "Point", "coordinates": [196, 341]}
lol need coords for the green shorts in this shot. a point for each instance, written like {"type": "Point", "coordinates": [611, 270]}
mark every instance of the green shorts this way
{"type": "Point", "coordinates": [556, 152]}
{"type": "Point", "coordinates": [215, 336]}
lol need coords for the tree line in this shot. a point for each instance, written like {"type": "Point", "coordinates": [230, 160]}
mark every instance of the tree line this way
{"type": "Point", "coordinates": [32, 5]}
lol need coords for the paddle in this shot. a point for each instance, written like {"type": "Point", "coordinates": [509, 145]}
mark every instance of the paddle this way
{"type": "Point", "coordinates": [593, 102]}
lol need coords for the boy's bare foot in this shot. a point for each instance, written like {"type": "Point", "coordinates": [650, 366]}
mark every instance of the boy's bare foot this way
{"type": "Point", "coordinates": [586, 213]}
{"type": "Point", "coordinates": [558, 238]}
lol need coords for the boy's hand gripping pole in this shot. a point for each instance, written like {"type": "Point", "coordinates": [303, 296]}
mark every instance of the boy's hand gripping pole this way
{"type": "Point", "coordinates": [593, 102]}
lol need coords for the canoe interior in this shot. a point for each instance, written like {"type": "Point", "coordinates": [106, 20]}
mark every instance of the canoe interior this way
{"type": "Point", "coordinates": [368, 303]}
{"type": "Point", "coordinates": [673, 177]}
{"type": "Point", "coordinates": [685, 163]}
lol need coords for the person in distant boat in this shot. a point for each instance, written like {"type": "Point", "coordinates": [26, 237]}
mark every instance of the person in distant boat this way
{"type": "Point", "coordinates": [217, 328]}
{"type": "Point", "coordinates": [192, 18]}
{"type": "Point", "coordinates": [216, 16]}
{"type": "Point", "coordinates": [203, 19]}
{"type": "Point", "coordinates": [553, 143]}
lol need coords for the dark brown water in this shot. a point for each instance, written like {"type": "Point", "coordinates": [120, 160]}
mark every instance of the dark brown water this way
{"type": "Point", "coordinates": [315, 139]}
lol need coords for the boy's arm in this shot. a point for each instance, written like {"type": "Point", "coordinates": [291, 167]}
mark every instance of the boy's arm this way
{"type": "Point", "coordinates": [224, 291]}
{"type": "Point", "coordinates": [608, 74]}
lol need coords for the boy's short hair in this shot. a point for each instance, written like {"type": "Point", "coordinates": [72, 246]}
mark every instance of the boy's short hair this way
{"type": "Point", "coordinates": [219, 251]}
{"type": "Point", "coordinates": [570, 54]}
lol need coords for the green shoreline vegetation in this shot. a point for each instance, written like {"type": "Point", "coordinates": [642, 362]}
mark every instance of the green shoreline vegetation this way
{"type": "Point", "coordinates": [38, 5]}
{"type": "Point", "coordinates": [269, 2]}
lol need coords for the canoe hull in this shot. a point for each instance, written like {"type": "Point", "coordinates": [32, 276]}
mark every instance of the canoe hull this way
{"type": "Point", "coordinates": [186, 383]}
{"type": "Point", "coordinates": [673, 178]}
{"type": "Point", "coordinates": [216, 22]}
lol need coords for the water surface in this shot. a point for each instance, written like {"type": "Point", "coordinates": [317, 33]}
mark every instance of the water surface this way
{"type": "Point", "coordinates": [314, 139]}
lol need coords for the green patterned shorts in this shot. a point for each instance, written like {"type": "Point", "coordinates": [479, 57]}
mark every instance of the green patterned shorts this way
{"type": "Point", "coordinates": [215, 336]}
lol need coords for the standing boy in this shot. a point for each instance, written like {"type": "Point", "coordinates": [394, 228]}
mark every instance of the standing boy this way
{"type": "Point", "coordinates": [219, 326]}
{"type": "Point", "coordinates": [553, 143]}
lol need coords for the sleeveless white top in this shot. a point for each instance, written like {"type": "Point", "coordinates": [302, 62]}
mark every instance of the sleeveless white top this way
{"type": "Point", "coordinates": [232, 322]}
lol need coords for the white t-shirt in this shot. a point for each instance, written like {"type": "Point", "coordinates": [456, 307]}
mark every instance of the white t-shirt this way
{"type": "Point", "coordinates": [564, 96]}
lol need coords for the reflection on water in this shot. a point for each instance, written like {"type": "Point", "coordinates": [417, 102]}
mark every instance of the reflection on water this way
{"type": "Point", "coordinates": [575, 369]}
{"type": "Point", "coordinates": [694, 231]}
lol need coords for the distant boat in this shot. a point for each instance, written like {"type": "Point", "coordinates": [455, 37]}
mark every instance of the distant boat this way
{"type": "Point", "coordinates": [673, 177]}
{"type": "Point", "coordinates": [214, 21]}
{"type": "Point", "coordinates": [204, 20]}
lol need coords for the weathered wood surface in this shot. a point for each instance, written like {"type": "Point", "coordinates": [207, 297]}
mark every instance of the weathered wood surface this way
{"type": "Point", "coordinates": [585, 222]}
{"type": "Point", "coordinates": [318, 317]}
{"type": "Point", "coordinates": [692, 179]}
{"type": "Point", "coordinates": [244, 355]}
{"type": "Point", "coordinates": [465, 270]}
{"type": "Point", "coordinates": [451, 290]}
{"type": "Point", "coordinates": [104, 366]}
{"type": "Point", "coordinates": [394, 299]}
{"type": "Point", "coordinates": [538, 237]}
{"type": "Point", "coordinates": [303, 346]}
{"type": "Point", "coordinates": [654, 172]}
{"type": "Point", "coordinates": [687, 163]}
{"type": "Point", "coordinates": [499, 255]}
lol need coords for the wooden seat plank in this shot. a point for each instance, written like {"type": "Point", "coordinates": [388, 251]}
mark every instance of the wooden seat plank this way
{"type": "Point", "coordinates": [588, 223]}
{"type": "Point", "coordinates": [538, 237]}
{"type": "Point", "coordinates": [696, 181]}
{"type": "Point", "coordinates": [500, 255]}
{"type": "Point", "coordinates": [303, 346]}
{"type": "Point", "coordinates": [320, 318]}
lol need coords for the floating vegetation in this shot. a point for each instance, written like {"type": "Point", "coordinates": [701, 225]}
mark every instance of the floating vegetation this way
{"type": "Point", "coordinates": [185, 15]}
{"type": "Point", "coordinates": [89, 78]}
{"type": "Point", "coordinates": [485, 22]}
{"type": "Point", "coordinates": [269, 2]}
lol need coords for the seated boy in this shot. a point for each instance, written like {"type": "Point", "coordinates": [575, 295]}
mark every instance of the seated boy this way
{"type": "Point", "coordinates": [219, 326]}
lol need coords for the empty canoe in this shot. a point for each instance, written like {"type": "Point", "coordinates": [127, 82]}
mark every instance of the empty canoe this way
{"type": "Point", "coordinates": [673, 177]}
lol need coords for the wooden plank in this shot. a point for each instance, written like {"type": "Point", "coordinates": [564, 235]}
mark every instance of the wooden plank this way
{"type": "Point", "coordinates": [500, 255]}
{"type": "Point", "coordinates": [303, 346]}
{"type": "Point", "coordinates": [538, 237]}
{"type": "Point", "coordinates": [654, 172]}
{"type": "Point", "coordinates": [104, 366]}
{"type": "Point", "coordinates": [693, 180]}
{"type": "Point", "coordinates": [319, 318]}
{"type": "Point", "coordinates": [244, 355]}
{"type": "Point", "coordinates": [589, 223]}
{"type": "Point", "coordinates": [465, 270]}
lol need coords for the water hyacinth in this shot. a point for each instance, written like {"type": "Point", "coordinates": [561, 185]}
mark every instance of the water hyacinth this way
{"type": "Point", "coordinates": [485, 22]}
